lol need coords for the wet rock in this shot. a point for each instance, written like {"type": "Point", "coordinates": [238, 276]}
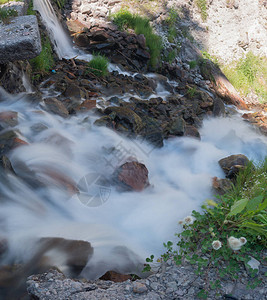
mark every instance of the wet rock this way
{"type": "Point", "coordinates": [6, 165]}
{"type": "Point", "coordinates": [72, 91]}
{"type": "Point", "coordinates": [8, 119]}
{"type": "Point", "coordinates": [131, 176]}
{"type": "Point", "coordinates": [191, 131]}
{"type": "Point", "coordinates": [177, 127]}
{"type": "Point", "coordinates": [104, 121]}
{"type": "Point", "coordinates": [125, 119]}
{"type": "Point", "coordinates": [221, 186]}
{"type": "Point", "coordinates": [115, 277]}
{"type": "Point", "coordinates": [218, 108]}
{"type": "Point", "coordinates": [10, 140]}
{"type": "Point", "coordinates": [85, 106]}
{"type": "Point", "coordinates": [232, 164]}
{"type": "Point", "coordinates": [75, 253]}
{"type": "Point", "coordinates": [56, 107]}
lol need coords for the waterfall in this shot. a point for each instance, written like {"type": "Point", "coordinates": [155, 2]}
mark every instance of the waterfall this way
{"type": "Point", "coordinates": [58, 36]}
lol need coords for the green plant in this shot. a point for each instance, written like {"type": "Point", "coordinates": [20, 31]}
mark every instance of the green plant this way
{"type": "Point", "coordinates": [60, 3]}
{"type": "Point", "coordinates": [6, 14]}
{"type": "Point", "coordinates": [171, 56]}
{"type": "Point", "coordinates": [249, 73]}
{"type": "Point", "coordinates": [212, 58]}
{"type": "Point", "coordinates": [202, 5]}
{"type": "Point", "coordinates": [30, 10]}
{"type": "Point", "coordinates": [6, 1]}
{"type": "Point", "coordinates": [192, 64]}
{"type": "Point", "coordinates": [227, 232]}
{"type": "Point", "coordinates": [192, 91]}
{"type": "Point", "coordinates": [98, 65]}
{"type": "Point", "coordinates": [124, 19]}
{"type": "Point", "coordinates": [44, 61]}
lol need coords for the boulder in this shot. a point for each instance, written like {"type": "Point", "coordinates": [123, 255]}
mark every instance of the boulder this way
{"type": "Point", "coordinates": [115, 277]}
{"type": "Point", "coordinates": [20, 39]}
{"type": "Point", "coordinates": [232, 164]}
{"type": "Point", "coordinates": [9, 140]}
{"type": "Point", "coordinates": [177, 126]}
{"type": "Point", "coordinates": [8, 119]}
{"type": "Point", "coordinates": [131, 176]}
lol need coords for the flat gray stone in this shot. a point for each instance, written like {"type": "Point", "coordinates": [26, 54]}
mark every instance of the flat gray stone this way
{"type": "Point", "coordinates": [20, 39]}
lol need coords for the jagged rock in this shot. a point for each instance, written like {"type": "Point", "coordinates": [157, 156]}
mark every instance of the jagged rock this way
{"type": "Point", "coordinates": [9, 140]}
{"type": "Point", "coordinates": [56, 107]}
{"type": "Point", "coordinates": [131, 176]}
{"type": "Point", "coordinates": [191, 131]}
{"type": "Point", "coordinates": [6, 165]}
{"type": "Point", "coordinates": [20, 39]}
{"type": "Point", "coordinates": [218, 108]}
{"type": "Point", "coordinates": [232, 164]}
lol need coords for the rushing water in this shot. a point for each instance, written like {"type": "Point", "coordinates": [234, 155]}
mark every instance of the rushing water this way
{"type": "Point", "coordinates": [64, 151]}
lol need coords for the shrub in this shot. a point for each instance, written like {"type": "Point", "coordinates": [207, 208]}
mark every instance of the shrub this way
{"type": "Point", "coordinates": [98, 65]}
{"type": "Point", "coordinates": [192, 64]}
{"type": "Point", "coordinates": [44, 62]}
{"type": "Point", "coordinates": [124, 19]}
{"type": "Point", "coordinates": [229, 231]}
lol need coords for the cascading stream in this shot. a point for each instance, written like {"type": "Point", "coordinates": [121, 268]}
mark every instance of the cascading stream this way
{"type": "Point", "coordinates": [125, 227]}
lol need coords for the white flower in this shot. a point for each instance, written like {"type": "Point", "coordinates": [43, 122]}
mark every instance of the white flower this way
{"type": "Point", "coordinates": [216, 245]}
{"type": "Point", "coordinates": [189, 220]}
{"type": "Point", "coordinates": [212, 234]}
{"type": "Point", "coordinates": [243, 240]}
{"type": "Point", "coordinates": [234, 243]}
{"type": "Point", "coordinates": [181, 222]}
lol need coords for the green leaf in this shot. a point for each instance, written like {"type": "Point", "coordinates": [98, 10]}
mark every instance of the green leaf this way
{"type": "Point", "coordinates": [256, 227]}
{"type": "Point", "coordinates": [253, 204]}
{"type": "Point", "coordinates": [237, 207]}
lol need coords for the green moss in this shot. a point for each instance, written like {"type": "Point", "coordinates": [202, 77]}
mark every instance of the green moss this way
{"type": "Point", "coordinates": [44, 62]}
{"type": "Point", "coordinates": [98, 65]}
{"type": "Point", "coordinates": [249, 74]}
{"type": "Point", "coordinates": [124, 19]}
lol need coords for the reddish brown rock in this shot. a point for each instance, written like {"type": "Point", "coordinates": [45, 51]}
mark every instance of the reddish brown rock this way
{"type": "Point", "coordinates": [132, 176]}
{"type": "Point", "coordinates": [56, 107]}
{"type": "Point", "coordinates": [8, 119]}
{"type": "Point", "coordinates": [115, 277]}
{"type": "Point", "coordinates": [86, 105]}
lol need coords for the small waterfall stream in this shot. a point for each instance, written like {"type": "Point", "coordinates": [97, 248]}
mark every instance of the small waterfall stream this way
{"type": "Point", "coordinates": [180, 175]}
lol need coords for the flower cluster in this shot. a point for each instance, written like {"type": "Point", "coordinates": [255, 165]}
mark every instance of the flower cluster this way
{"type": "Point", "coordinates": [187, 220]}
{"type": "Point", "coordinates": [234, 243]}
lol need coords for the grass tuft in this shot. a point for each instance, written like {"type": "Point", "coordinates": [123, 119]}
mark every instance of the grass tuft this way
{"type": "Point", "coordinates": [6, 14]}
{"type": "Point", "coordinates": [98, 65]}
{"type": "Point", "coordinates": [44, 62]}
{"type": "Point", "coordinates": [249, 74]}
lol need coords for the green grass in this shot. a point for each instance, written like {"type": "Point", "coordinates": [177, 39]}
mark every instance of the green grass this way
{"type": "Point", "coordinates": [171, 56]}
{"type": "Point", "coordinates": [6, 14]}
{"type": "Point", "coordinates": [249, 74]}
{"type": "Point", "coordinates": [98, 65]}
{"type": "Point", "coordinates": [202, 5]}
{"type": "Point", "coordinates": [124, 19]}
{"type": "Point", "coordinates": [30, 10]}
{"type": "Point", "coordinates": [44, 62]}
{"type": "Point", "coordinates": [192, 64]}
{"type": "Point", "coordinates": [6, 1]}
{"type": "Point", "coordinates": [240, 213]}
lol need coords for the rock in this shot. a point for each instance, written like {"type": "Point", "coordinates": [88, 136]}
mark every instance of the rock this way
{"type": "Point", "coordinates": [177, 127]}
{"type": "Point", "coordinates": [139, 287]}
{"type": "Point", "coordinates": [233, 163]}
{"type": "Point", "coordinates": [6, 165]}
{"type": "Point", "coordinates": [20, 39]}
{"type": "Point", "coordinates": [75, 253]}
{"type": "Point", "coordinates": [142, 53]}
{"type": "Point", "coordinates": [221, 186]}
{"type": "Point", "coordinates": [131, 176]}
{"type": "Point", "coordinates": [191, 131]}
{"type": "Point", "coordinates": [125, 119]}
{"type": "Point", "coordinates": [74, 26]}
{"type": "Point", "coordinates": [9, 140]}
{"type": "Point", "coordinates": [218, 108]}
{"type": "Point", "coordinates": [85, 106]}
{"type": "Point", "coordinates": [115, 277]}
{"type": "Point", "coordinates": [72, 91]}
{"type": "Point", "coordinates": [56, 107]}
{"type": "Point", "coordinates": [8, 119]}
{"type": "Point", "coordinates": [141, 40]}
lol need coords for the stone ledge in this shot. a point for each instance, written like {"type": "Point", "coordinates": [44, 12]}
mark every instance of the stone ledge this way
{"type": "Point", "coordinates": [20, 39]}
